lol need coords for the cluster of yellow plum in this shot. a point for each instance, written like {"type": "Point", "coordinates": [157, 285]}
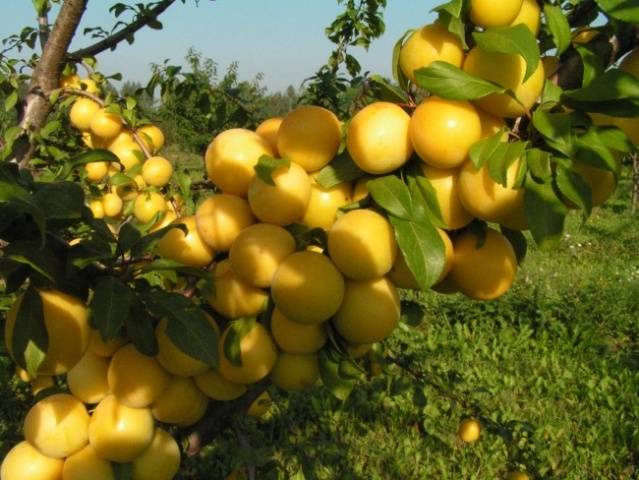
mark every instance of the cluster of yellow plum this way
{"type": "Point", "coordinates": [139, 192]}
{"type": "Point", "coordinates": [116, 398]}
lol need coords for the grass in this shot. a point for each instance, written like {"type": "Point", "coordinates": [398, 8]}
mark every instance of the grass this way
{"type": "Point", "coordinates": [551, 369]}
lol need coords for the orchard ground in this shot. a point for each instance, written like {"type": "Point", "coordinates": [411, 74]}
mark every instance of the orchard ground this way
{"type": "Point", "coordinates": [551, 369]}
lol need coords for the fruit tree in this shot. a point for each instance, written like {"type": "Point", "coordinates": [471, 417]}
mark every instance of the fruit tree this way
{"type": "Point", "coordinates": [154, 306]}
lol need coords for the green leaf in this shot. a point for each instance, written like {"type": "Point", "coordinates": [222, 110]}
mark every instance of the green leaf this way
{"type": "Point", "coordinates": [60, 200]}
{"type": "Point", "coordinates": [615, 139]}
{"type": "Point", "coordinates": [128, 236]}
{"type": "Point", "coordinates": [266, 165]}
{"type": "Point", "coordinates": [518, 240]}
{"type": "Point", "coordinates": [591, 150]}
{"type": "Point", "coordinates": [192, 333]}
{"type": "Point", "coordinates": [624, 10]}
{"type": "Point", "coordinates": [398, 75]}
{"type": "Point", "coordinates": [382, 90]}
{"type": "Point", "coordinates": [17, 197]}
{"type": "Point", "coordinates": [329, 367]}
{"type": "Point", "coordinates": [538, 162]}
{"type": "Point", "coordinates": [516, 40]}
{"type": "Point", "coordinates": [614, 92]}
{"type": "Point", "coordinates": [593, 64]}
{"type": "Point", "coordinates": [341, 169]}
{"type": "Point", "coordinates": [545, 213]}
{"type": "Point", "coordinates": [423, 249]}
{"type": "Point", "coordinates": [11, 100]}
{"type": "Point", "coordinates": [237, 330]}
{"type": "Point", "coordinates": [167, 264]}
{"type": "Point", "coordinates": [485, 149]}
{"type": "Point", "coordinates": [504, 156]}
{"type": "Point", "coordinates": [556, 129]}
{"type": "Point", "coordinates": [392, 195]}
{"type": "Point", "coordinates": [110, 306]}
{"type": "Point", "coordinates": [558, 26]}
{"type": "Point", "coordinates": [139, 328]}
{"type": "Point", "coordinates": [454, 25]}
{"type": "Point", "coordinates": [30, 339]}
{"type": "Point", "coordinates": [574, 188]}
{"type": "Point", "coordinates": [425, 203]}
{"type": "Point", "coordinates": [550, 96]}
{"type": "Point", "coordinates": [40, 258]}
{"type": "Point", "coordinates": [90, 156]}
{"type": "Point", "coordinates": [305, 236]}
{"type": "Point", "coordinates": [448, 81]}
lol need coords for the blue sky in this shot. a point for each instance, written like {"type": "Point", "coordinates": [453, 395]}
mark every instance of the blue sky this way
{"type": "Point", "coordinates": [282, 39]}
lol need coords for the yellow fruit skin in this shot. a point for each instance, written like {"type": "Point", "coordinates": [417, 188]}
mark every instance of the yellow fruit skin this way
{"type": "Point", "coordinates": [24, 462]}
{"type": "Point", "coordinates": [309, 136]}
{"type": "Point", "coordinates": [323, 204]}
{"type": "Point", "coordinates": [529, 15]}
{"type": "Point", "coordinates": [486, 13]}
{"type": "Point", "coordinates": [268, 131]}
{"type": "Point", "coordinates": [630, 127]}
{"type": "Point", "coordinates": [232, 297]}
{"type": "Point", "coordinates": [510, 74]}
{"type": "Point", "coordinates": [69, 81]}
{"type": "Point", "coordinates": [181, 403]}
{"type": "Point", "coordinates": [152, 137]}
{"type": "Point", "coordinates": [517, 476]}
{"type": "Point", "coordinates": [112, 204]}
{"type": "Point", "coordinates": [157, 171]}
{"type": "Point", "coordinates": [119, 433]}
{"type": "Point", "coordinates": [487, 272]}
{"type": "Point", "coordinates": [128, 152]}
{"type": "Point", "coordinates": [315, 279]}
{"type": "Point", "coordinates": [135, 379]}
{"type": "Point", "coordinates": [174, 360]}
{"type": "Point", "coordinates": [82, 113]}
{"type": "Point", "coordinates": [125, 136]}
{"type": "Point", "coordinates": [67, 322]}
{"type": "Point", "coordinates": [231, 157]}
{"type": "Point", "coordinates": [442, 131]}
{"type": "Point", "coordinates": [258, 354]}
{"type": "Point", "coordinates": [147, 206]}
{"type": "Point", "coordinates": [87, 380]}
{"type": "Point", "coordinates": [220, 219]}
{"type": "Point", "coordinates": [362, 244]}
{"type": "Point", "coordinates": [370, 311]}
{"type": "Point", "coordinates": [85, 465]}
{"type": "Point", "coordinates": [484, 198]}
{"type": "Point", "coordinates": [602, 182]}
{"type": "Point", "coordinates": [297, 338]}
{"type": "Point", "coordinates": [401, 275]}
{"type": "Point", "coordinates": [41, 383]}
{"type": "Point", "coordinates": [446, 185]}
{"type": "Point", "coordinates": [102, 348]}
{"type": "Point", "coordinates": [96, 171]}
{"type": "Point", "coordinates": [490, 125]}
{"type": "Point", "coordinates": [378, 139]}
{"type": "Point", "coordinates": [469, 430]}
{"type": "Point", "coordinates": [429, 44]}
{"type": "Point", "coordinates": [168, 218]}
{"type": "Point", "coordinates": [215, 386]}
{"type": "Point", "coordinates": [258, 251]}
{"type": "Point", "coordinates": [360, 190]}
{"type": "Point", "coordinates": [260, 406]}
{"type": "Point", "coordinates": [106, 125]}
{"type": "Point", "coordinates": [359, 350]}
{"type": "Point", "coordinates": [295, 372]}
{"type": "Point", "coordinates": [160, 461]}
{"type": "Point", "coordinates": [188, 249]}
{"type": "Point", "coordinates": [630, 63]}
{"type": "Point", "coordinates": [57, 425]}
{"type": "Point", "coordinates": [551, 65]}
{"type": "Point", "coordinates": [286, 201]}
{"type": "Point", "coordinates": [96, 208]}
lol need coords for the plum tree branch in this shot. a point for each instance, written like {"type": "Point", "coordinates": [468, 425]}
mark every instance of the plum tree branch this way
{"type": "Point", "coordinates": [113, 40]}
{"type": "Point", "coordinates": [46, 75]}
{"type": "Point", "coordinates": [216, 420]}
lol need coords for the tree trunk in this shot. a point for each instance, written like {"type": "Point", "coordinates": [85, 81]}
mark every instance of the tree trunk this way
{"type": "Point", "coordinates": [46, 76]}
